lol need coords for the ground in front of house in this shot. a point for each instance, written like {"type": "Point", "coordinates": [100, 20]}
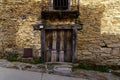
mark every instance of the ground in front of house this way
{"type": "Point", "coordinates": [25, 71]}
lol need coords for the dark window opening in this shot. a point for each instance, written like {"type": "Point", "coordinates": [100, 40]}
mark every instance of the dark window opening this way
{"type": "Point", "coordinates": [60, 4]}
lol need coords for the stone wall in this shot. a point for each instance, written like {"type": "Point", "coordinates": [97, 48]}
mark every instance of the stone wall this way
{"type": "Point", "coordinates": [16, 27]}
{"type": "Point", "coordinates": [98, 41]}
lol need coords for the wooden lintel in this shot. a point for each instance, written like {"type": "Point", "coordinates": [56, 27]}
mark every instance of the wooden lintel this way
{"type": "Point", "coordinates": [60, 26]}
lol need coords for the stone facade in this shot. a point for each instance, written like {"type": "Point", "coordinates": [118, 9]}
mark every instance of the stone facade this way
{"type": "Point", "coordinates": [98, 41]}
{"type": "Point", "coordinates": [16, 27]}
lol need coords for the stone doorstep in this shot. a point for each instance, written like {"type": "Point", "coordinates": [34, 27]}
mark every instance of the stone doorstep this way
{"type": "Point", "coordinates": [62, 68]}
{"type": "Point", "coordinates": [58, 67]}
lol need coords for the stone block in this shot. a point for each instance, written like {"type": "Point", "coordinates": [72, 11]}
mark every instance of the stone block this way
{"type": "Point", "coordinates": [115, 52]}
{"type": "Point", "coordinates": [106, 50]}
{"type": "Point", "coordinates": [108, 41]}
{"type": "Point", "coordinates": [86, 53]}
{"type": "Point", "coordinates": [105, 55]}
{"type": "Point", "coordinates": [95, 49]}
{"type": "Point", "coordinates": [114, 45]}
{"type": "Point", "coordinates": [8, 50]}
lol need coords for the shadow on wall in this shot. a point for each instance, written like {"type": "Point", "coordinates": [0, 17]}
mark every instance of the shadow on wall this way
{"type": "Point", "coordinates": [90, 17]}
{"type": "Point", "coordinates": [91, 44]}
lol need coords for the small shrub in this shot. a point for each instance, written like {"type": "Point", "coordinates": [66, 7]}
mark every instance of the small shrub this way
{"type": "Point", "coordinates": [12, 57]}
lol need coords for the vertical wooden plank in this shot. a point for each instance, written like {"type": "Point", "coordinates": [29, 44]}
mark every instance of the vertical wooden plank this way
{"type": "Point", "coordinates": [46, 45]}
{"type": "Point", "coordinates": [61, 56]}
{"type": "Point", "coordinates": [43, 44]}
{"type": "Point", "coordinates": [50, 44]}
{"type": "Point", "coordinates": [69, 49]}
{"type": "Point", "coordinates": [69, 3]}
{"type": "Point", "coordinates": [65, 44]}
{"type": "Point", "coordinates": [68, 45]}
{"type": "Point", "coordinates": [58, 44]}
{"type": "Point", "coordinates": [62, 40]}
{"type": "Point", "coordinates": [54, 40]}
{"type": "Point", "coordinates": [63, 3]}
{"type": "Point", "coordinates": [60, 1]}
{"type": "Point", "coordinates": [74, 44]}
{"type": "Point", "coordinates": [54, 51]}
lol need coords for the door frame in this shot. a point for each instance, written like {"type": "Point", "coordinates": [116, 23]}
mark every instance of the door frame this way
{"type": "Point", "coordinates": [62, 27]}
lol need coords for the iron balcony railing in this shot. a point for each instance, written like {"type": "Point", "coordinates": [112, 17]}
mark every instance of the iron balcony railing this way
{"type": "Point", "coordinates": [57, 5]}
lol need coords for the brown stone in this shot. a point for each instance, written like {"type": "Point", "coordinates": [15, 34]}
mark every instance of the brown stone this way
{"type": "Point", "coordinates": [95, 49]}
{"type": "Point", "coordinates": [86, 53]}
{"type": "Point", "coordinates": [115, 52]}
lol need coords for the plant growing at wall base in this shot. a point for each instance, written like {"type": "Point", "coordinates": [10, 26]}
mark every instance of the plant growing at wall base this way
{"type": "Point", "coordinates": [86, 66]}
{"type": "Point", "coordinates": [12, 57]}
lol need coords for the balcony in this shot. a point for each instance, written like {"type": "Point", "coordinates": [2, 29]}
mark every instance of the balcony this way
{"type": "Point", "coordinates": [63, 7]}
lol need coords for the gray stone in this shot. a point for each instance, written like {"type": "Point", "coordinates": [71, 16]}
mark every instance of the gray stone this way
{"type": "Point", "coordinates": [58, 67]}
{"type": "Point", "coordinates": [63, 68]}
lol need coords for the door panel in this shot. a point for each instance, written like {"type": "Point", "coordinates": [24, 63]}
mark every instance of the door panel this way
{"type": "Point", "coordinates": [58, 45]}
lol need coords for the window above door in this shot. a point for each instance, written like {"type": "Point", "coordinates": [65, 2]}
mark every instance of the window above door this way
{"type": "Point", "coordinates": [60, 4]}
{"type": "Point", "coordinates": [57, 5]}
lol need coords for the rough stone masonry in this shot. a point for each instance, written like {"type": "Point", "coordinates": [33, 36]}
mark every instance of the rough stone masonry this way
{"type": "Point", "coordinates": [98, 41]}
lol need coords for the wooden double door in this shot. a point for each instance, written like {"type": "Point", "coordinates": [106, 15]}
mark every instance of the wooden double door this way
{"type": "Point", "coordinates": [58, 45]}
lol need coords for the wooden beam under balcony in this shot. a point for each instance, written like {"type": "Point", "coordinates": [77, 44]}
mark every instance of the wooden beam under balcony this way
{"type": "Point", "coordinates": [60, 14]}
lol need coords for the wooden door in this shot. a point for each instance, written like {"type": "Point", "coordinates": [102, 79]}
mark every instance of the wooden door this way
{"type": "Point", "coordinates": [58, 45]}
